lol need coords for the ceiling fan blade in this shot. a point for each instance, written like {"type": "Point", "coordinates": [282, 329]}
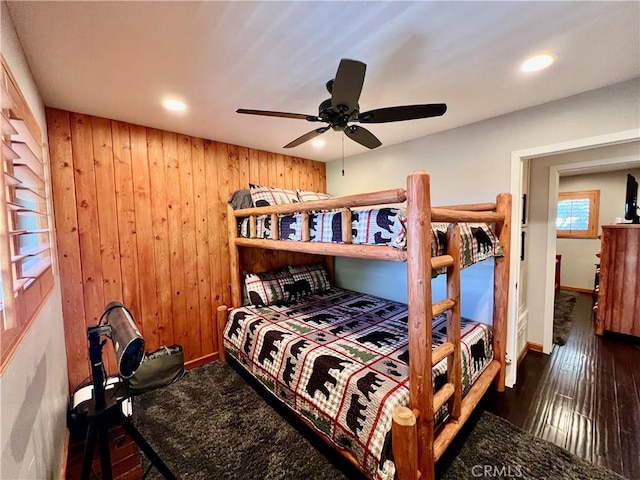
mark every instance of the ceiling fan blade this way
{"type": "Point", "coordinates": [405, 112]}
{"type": "Point", "coordinates": [267, 113]}
{"type": "Point", "coordinates": [306, 137]}
{"type": "Point", "coordinates": [362, 136]}
{"type": "Point", "coordinates": [348, 84]}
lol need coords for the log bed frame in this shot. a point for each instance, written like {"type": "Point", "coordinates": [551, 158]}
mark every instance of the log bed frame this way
{"type": "Point", "coordinates": [416, 446]}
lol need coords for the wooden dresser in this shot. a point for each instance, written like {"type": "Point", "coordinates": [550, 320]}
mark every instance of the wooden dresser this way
{"type": "Point", "coordinates": [618, 305]}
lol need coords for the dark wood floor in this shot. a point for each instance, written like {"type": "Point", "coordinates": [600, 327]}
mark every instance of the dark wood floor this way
{"type": "Point", "coordinates": [584, 397]}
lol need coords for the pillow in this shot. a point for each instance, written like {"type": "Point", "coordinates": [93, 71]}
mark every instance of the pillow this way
{"type": "Point", "coordinates": [268, 288]}
{"type": "Point", "coordinates": [311, 278]}
{"type": "Point", "coordinates": [241, 199]}
{"type": "Point", "coordinates": [269, 196]}
{"type": "Point", "coordinates": [479, 242]}
{"type": "Point", "coordinates": [305, 196]}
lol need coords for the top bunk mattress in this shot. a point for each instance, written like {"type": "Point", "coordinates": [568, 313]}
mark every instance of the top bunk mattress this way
{"type": "Point", "coordinates": [378, 226]}
{"type": "Point", "coordinates": [340, 360]}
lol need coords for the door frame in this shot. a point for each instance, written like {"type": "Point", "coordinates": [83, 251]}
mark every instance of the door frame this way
{"type": "Point", "coordinates": [517, 157]}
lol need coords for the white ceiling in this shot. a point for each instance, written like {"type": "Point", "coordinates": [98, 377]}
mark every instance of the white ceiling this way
{"type": "Point", "coordinates": [121, 59]}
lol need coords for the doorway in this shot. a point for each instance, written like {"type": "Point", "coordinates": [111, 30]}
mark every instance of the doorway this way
{"type": "Point", "coordinates": [588, 198]}
{"type": "Point", "coordinates": [535, 319]}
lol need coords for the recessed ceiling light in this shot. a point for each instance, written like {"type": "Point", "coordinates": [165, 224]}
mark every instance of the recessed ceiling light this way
{"type": "Point", "coordinates": [538, 62]}
{"type": "Point", "coordinates": [318, 143]}
{"type": "Point", "coordinates": [175, 105]}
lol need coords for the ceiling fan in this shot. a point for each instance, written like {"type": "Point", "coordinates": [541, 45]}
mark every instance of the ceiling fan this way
{"type": "Point", "coordinates": [342, 109]}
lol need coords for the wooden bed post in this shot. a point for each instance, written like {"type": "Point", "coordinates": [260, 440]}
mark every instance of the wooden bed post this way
{"type": "Point", "coordinates": [420, 315]}
{"type": "Point", "coordinates": [221, 320]}
{"type": "Point", "coordinates": [404, 443]}
{"type": "Point", "coordinates": [330, 265]}
{"type": "Point", "coordinates": [236, 278]}
{"type": "Point", "coordinates": [501, 288]}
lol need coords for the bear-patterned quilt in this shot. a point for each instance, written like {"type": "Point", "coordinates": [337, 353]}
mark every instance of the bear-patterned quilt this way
{"type": "Point", "coordinates": [340, 360]}
{"type": "Point", "coordinates": [380, 226]}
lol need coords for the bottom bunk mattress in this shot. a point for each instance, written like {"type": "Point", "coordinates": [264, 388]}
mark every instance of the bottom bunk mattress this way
{"type": "Point", "coordinates": [340, 360]}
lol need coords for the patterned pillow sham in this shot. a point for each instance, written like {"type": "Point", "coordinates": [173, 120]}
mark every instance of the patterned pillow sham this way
{"type": "Point", "coordinates": [268, 288]}
{"type": "Point", "coordinates": [479, 242]}
{"type": "Point", "coordinates": [309, 279]}
{"type": "Point", "coordinates": [263, 226]}
{"type": "Point", "coordinates": [269, 196]}
{"type": "Point", "coordinates": [306, 196]}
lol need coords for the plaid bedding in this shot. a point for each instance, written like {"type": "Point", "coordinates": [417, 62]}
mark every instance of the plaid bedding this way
{"type": "Point", "coordinates": [340, 360]}
{"type": "Point", "coordinates": [382, 226]}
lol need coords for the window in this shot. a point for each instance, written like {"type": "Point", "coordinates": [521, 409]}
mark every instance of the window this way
{"type": "Point", "coordinates": [26, 277]}
{"type": "Point", "coordinates": [577, 215]}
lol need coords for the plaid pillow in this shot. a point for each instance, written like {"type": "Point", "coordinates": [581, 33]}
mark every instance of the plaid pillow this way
{"type": "Point", "coordinates": [268, 288]}
{"type": "Point", "coordinates": [305, 196]}
{"type": "Point", "coordinates": [263, 226]}
{"type": "Point", "coordinates": [314, 275]}
{"type": "Point", "coordinates": [269, 196]}
{"type": "Point", "coordinates": [479, 242]}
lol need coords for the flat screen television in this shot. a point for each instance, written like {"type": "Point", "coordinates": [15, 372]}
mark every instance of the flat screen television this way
{"type": "Point", "coordinates": [631, 205]}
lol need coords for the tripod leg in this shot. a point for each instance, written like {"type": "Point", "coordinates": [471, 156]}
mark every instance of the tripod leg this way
{"type": "Point", "coordinates": [89, 445]}
{"type": "Point", "coordinates": [146, 448]}
{"type": "Point", "coordinates": [105, 454]}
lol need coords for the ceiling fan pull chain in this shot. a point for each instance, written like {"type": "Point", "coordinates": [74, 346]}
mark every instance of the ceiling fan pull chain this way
{"type": "Point", "coordinates": [343, 153]}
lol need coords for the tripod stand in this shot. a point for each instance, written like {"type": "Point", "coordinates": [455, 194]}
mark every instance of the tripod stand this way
{"type": "Point", "coordinates": [103, 412]}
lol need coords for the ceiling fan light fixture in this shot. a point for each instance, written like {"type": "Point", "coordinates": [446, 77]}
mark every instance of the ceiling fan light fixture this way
{"type": "Point", "coordinates": [538, 62]}
{"type": "Point", "coordinates": [174, 105]}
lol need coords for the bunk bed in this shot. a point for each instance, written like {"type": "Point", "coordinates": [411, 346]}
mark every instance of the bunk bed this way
{"type": "Point", "coordinates": [423, 419]}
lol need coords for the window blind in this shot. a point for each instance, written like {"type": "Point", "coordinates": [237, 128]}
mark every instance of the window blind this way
{"type": "Point", "coordinates": [25, 249]}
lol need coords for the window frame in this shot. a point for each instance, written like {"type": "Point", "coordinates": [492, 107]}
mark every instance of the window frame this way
{"type": "Point", "coordinates": [594, 214]}
{"type": "Point", "coordinates": [26, 255]}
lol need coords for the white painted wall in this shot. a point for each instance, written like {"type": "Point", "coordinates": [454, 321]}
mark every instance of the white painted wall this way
{"type": "Point", "coordinates": [472, 164]}
{"type": "Point", "coordinates": [578, 255]}
{"type": "Point", "coordinates": [33, 396]}
{"type": "Point", "coordinates": [34, 387]}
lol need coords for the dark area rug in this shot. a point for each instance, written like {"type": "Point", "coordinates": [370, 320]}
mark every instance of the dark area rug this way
{"type": "Point", "coordinates": [564, 308]}
{"type": "Point", "coordinates": [491, 447]}
{"type": "Point", "coordinates": [212, 424]}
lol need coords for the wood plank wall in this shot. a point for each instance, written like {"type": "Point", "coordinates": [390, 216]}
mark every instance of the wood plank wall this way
{"type": "Point", "coordinates": [140, 218]}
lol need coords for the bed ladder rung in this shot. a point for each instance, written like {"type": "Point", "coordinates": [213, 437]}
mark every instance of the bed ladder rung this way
{"type": "Point", "coordinates": [442, 306]}
{"type": "Point", "coordinates": [441, 397]}
{"type": "Point", "coordinates": [440, 352]}
{"type": "Point", "coordinates": [442, 261]}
